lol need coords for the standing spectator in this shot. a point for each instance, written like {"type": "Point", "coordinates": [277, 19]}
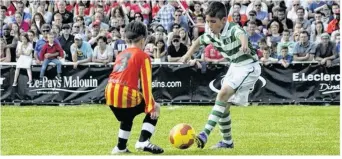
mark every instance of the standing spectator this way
{"type": "Point", "coordinates": [11, 41]}
{"type": "Point", "coordinates": [252, 35]}
{"type": "Point", "coordinates": [103, 53]}
{"type": "Point", "coordinates": [24, 51]}
{"type": "Point", "coordinates": [51, 52]}
{"type": "Point", "coordinates": [285, 59]}
{"type": "Point", "coordinates": [325, 51]}
{"type": "Point", "coordinates": [285, 41]}
{"type": "Point", "coordinates": [81, 51]}
{"type": "Point", "coordinates": [5, 53]}
{"type": "Point", "coordinates": [176, 50]}
{"type": "Point", "coordinates": [304, 49]}
{"type": "Point", "coordinates": [165, 14]}
{"type": "Point", "coordinates": [120, 44]}
{"type": "Point", "coordinates": [66, 40]}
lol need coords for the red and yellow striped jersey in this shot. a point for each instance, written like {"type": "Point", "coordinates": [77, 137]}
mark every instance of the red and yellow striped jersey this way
{"type": "Point", "coordinates": [122, 89]}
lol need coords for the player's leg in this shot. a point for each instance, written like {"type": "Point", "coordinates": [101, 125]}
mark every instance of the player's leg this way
{"type": "Point", "coordinates": [125, 116]}
{"type": "Point", "coordinates": [147, 130]}
{"type": "Point", "coordinates": [216, 113]}
{"type": "Point", "coordinates": [225, 129]}
{"type": "Point", "coordinates": [239, 98]}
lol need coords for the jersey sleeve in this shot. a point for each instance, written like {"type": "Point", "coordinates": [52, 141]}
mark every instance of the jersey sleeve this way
{"type": "Point", "coordinates": [146, 83]}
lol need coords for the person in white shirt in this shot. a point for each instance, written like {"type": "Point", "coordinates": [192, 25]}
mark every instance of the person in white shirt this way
{"type": "Point", "coordinates": [24, 51]}
{"type": "Point", "coordinates": [103, 53]}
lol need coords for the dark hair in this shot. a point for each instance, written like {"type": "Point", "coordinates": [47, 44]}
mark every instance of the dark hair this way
{"type": "Point", "coordinates": [103, 38]}
{"type": "Point", "coordinates": [4, 7]}
{"type": "Point", "coordinates": [319, 22]}
{"type": "Point", "coordinates": [281, 27]}
{"type": "Point", "coordinates": [135, 31]}
{"type": "Point", "coordinates": [305, 32]}
{"type": "Point", "coordinates": [26, 36]}
{"type": "Point", "coordinates": [42, 21]}
{"type": "Point", "coordinates": [81, 5]}
{"type": "Point", "coordinates": [122, 14]}
{"type": "Point", "coordinates": [284, 47]}
{"type": "Point", "coordinates": [286, 30]}
{"type": "Point", "coordinates": [251, 22]}
{"type": "Point", "coordinates": [301, 8]}
{"type": "Point", "coordinates": [217, 10]}
{"type": "Point", "coordinates": [150, 39]}
{"type": "Point", "coordinates": [162, 41]}
{"type": "Point", "coordinates": [281, 9]}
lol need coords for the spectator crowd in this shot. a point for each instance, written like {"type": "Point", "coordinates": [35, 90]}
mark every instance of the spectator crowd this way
{"type": "Point", "coordinates": [80, 31]}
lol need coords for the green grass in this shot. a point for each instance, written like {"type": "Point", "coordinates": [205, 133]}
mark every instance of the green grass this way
{"type": "Point", "coordinates": [92, 130]}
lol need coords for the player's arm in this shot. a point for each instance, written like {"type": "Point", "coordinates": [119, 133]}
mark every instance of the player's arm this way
{"type": "Point", "coordinates": [240, 34]}
{"type": "Point", "coordinates": [146, 83]}
{"type": "Point", "coordinates": [194, 47]}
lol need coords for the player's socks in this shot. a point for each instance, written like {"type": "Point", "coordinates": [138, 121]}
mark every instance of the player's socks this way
{"type": "Point", "coordinates": [124, 132]}
{"type": "Point", "coordinates": [147, 128]}
{"type": "Point", "coordinates": [225, 124]}
{"type": "Point", "coordinates": [215, 115]}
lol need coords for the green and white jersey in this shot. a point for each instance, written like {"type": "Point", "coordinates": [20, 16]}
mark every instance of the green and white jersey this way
{"type": "Point", "coordinates": [228, 44]}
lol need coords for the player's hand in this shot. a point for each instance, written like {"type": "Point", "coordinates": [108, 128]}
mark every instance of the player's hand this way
{"type": "Point", "coordinates": [184, 58]}
{"type": "Point", "coordinates": [245, 49]}
{"type": "Point", "coordinates": [156, 112]}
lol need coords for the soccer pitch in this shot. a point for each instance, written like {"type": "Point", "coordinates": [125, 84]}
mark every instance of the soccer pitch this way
{"type": "Point", "coordinates": [93, 129]}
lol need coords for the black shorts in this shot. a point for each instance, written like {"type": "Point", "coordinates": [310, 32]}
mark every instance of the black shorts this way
{"type": "Point", "coordinates": [128, 114]}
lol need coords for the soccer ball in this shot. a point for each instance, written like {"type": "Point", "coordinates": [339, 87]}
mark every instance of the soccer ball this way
{"type": "Point", "coordinates": [182, 136]}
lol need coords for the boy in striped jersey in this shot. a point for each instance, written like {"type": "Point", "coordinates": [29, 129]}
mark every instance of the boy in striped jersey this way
{"type": "Point", "coordinates": [244, 70]}
{"type": "Point", "coordinates": [122, 92]}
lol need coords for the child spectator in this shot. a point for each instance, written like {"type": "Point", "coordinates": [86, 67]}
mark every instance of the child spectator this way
{"type": "Point", "coordinates": [285, 59]}
{"type": "Point", "coordinates": [49, 53]}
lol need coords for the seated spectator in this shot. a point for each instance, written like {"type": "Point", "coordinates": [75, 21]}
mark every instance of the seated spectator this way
{"type": "Point", "coordinates": [211, 55]}
{"type": "Point", "coordinates": [252, 35]}
{"type": "Point", "coordinates": [103, 53]}
{"type": "Point", "coordinates": [237, 10]}
{"type": "Point", "coordinates": [81, 51]}
{"type": "Point", "coordinates": [325, 51]}
{"type": "Point", "coordinates": [176, 50]}
{"type": "Point", "coordinates": [266, 58]}
{"type": "Point", "coordinates": [336, 60]}
{"type": "Point", "coordinates": [5, 53]}
{"type": "Point", "coordinates": [23, 25]}
{"type": "Point", "coordinates": [15, 31]}
{"type": "Point", "coordinates": [316, 34]}
{"type": "Point", "coordinates": [318, 18]}
{"type": "Point", "coordinates": [335, 23]}
{"type": "Point", "coordinates": [199, 28]}
{"type": "Point", "coordinates": [301, 19]}
{"type": "Point", "coordinates": [304, 49]}
{"type": "Point", "coordinates": [184, 37]}
{"type": "Point", "coordinates": [261, 15]}
{"type": "Point", "coordinates": [287, 23]}
{"type": "Point", "coordinates": [275, 29]}
{"type": "Point", "coordinates": [285, 59]}
{"type": "Point", "coordinates": [41, 42]}
{"type": "Point", "coordinates": [262, 46]}
{"type": "Point", "coordinates": [285, 41]}
{"type": "Point", "coordinates": [296, 36]}
{"type": "Point", "coordinates": [159, 51]}
{"type": "Point", "coordinates": [252, 17]}
{"type": "Point", "coordinates": [51, 52]}
{"type": "Point", "coordinates": [150, 41]}
{"type": "Point", "coordinates": [175, 31]}
{"type": "Point", "coordinates": [24, 51]}
{"type": "Point", "coordinates": [10, 41]}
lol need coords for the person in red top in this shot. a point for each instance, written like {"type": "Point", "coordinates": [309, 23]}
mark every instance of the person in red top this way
{"type": "Point", "coordinates": [335, 23]}
{"type": "Point", "coordinates": [49, 53]}
{"type": "Point", "coordinates": [122, 91]}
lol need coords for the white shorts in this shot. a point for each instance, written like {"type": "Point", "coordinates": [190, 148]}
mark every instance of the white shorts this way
{"type": "Point", "coordinates": [242, 79]}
